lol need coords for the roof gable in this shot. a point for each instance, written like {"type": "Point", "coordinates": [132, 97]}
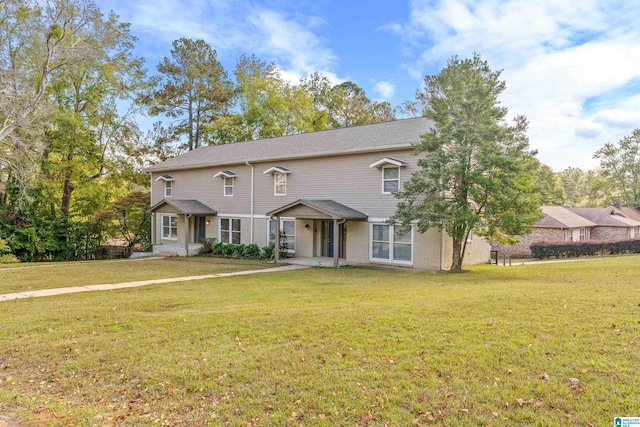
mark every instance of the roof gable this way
{"type": "Point", "coordinates": [187, 207]}
{"type": "Point", "coordinates": [318, 209]}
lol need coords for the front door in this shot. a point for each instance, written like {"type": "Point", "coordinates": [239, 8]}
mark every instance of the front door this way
{"type": "Point", "coordinates": [327, 239]}
{"type": "Point", "coordinates": [202, 229]}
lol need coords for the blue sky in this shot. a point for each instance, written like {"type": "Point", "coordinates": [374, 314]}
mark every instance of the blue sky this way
{"type": "Point", "coordinates": [573, 68]}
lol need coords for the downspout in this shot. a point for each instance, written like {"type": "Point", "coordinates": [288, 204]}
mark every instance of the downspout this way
{"type": "Point", "coordinates": [252, 213]}
{"type": "Point", "coordinates": [443, 232]}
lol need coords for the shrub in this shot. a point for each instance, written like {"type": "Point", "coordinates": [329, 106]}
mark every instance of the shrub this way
{"type": "Point", "coordinates": [252, 250]}
{"type": "Point", "coordinates": [227, 249]}
{"type": "Point", "coordinates": [267, 251]}
{"type": "Point", "coordinates": [217, 248]}
{"type": "Point", "coordinates": [8, 259]}
{"type": "Point", "coordinates": [237, 250]}
{"type": "Point", "coordinates": [207, 245]}
{"type": "Point", "coordinates": [543, 250]}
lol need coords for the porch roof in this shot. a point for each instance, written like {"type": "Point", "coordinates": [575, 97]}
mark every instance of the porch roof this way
{"type": "Point", "coordinates": [187, 207]}
{"type": "Point", "coordinates": [318, 209]}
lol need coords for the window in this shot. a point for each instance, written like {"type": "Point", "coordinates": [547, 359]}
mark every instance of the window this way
{"type": "Point", "coordinates": [228, 187]}
{"type": "Point", "coordinates": [168, 184]}
{"type": "Point", "coordinates": [230, 230]}
{"type": "Point", "coordinates": [583, 234]}
{"type": "Point", "coordinates": [390, 179]}
{"type": "Point", "coordinates": [288, 227]}
{"type": "Point", "coordinates": [389, 244]}
{"type": "Point", "coordinates": [170, 226]}
{"type": "Point", "coordinates": [280, 184]}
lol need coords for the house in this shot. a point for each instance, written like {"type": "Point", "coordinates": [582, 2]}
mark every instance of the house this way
{"type": "Point", "coordinates": [330, 192]}
{"type": "Point", "coordinates": [569, 224]}
{"type": "Point", "coordinates": [611, 223]}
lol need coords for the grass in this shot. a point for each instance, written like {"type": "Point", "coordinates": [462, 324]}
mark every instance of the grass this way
{"type": "Point", "coordinates": [320, 347]}
{"type": "Point", "coordinates": [23, 277]}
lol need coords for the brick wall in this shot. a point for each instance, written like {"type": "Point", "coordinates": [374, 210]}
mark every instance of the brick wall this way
{"type": "Point", "coordinates": [522, 250]}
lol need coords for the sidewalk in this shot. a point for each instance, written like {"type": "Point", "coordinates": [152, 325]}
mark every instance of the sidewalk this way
{"type": "Point", "coordinates": [111, 286]}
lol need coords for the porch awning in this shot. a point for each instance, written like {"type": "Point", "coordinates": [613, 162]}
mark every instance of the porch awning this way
{"type": "Point", "coordinates": [318, 209]}
{"type": "Point", "coordinates": [187, 207]}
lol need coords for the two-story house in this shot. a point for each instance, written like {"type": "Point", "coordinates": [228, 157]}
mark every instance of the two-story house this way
{"type": "Point", "coordinates": [330, 192]}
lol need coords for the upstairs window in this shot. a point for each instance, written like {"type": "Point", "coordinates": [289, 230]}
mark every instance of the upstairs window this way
{"type": "Point", "coordinates": [228, 181]}
{"type": "Point", "coordinates": [279, 184]}
{"type": "Point", "coordinates": [279, 179]}
{"type": "Point", "coordinates": [390, 180]}
{"type": "Point", "coordinates": [390, 168]}
{"type": "Point", "coordinates": [168, 184]}
{"type": "Point", "coordinates": [228, 187]}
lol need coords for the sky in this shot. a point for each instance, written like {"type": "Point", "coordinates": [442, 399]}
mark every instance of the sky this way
{"type": "Point", "coordinates": [571, 67]}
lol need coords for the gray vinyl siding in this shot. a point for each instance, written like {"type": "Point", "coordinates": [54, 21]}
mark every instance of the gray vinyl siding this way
{"type": "Point", "coordinates": [199, 184]}
{"type": "Point", "coordinates": [346, 179]}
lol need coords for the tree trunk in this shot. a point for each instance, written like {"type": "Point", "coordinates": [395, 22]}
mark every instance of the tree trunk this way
{"type": "Point", "coordinates": [456, 263]}
{"type": "Point", "coordinates": [67, 189]}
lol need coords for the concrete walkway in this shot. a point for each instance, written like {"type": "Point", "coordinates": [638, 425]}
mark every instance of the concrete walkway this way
{"type": "Point", "coordinates": [111, 286]}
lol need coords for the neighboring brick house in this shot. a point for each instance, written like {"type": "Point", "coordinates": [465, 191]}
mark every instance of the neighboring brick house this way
{"type": "Point", "coordinates": [568, 224]}
{"type": "Point", "coordinates": [611, 223]}
{"type": "Point", "coordinates": [331, 192]}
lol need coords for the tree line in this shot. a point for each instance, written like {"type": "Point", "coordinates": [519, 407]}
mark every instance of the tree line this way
{"type": "Point", "coordinates": [72, 154]}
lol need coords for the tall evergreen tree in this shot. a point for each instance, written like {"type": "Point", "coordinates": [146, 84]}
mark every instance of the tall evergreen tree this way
{"type": "Point", "coordinates": [477, 174]}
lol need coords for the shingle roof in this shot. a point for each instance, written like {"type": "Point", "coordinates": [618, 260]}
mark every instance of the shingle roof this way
{"type": "Point", "coordinates": [379, 136]}
{"type": "Point", "coordinates": [328, 207]}
{"type": "Point", "coordinates": [560, 217]}
{"type": "Point", "coordinates": [193, 207]}
{"type": "Point", "coordinates": [605, 217]}
{"type": "Point", "coordinates": [629, 212]}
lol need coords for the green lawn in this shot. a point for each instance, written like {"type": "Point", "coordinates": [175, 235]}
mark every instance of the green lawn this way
{"type": "Point", "coordinates": [352, 347]}
{"type": "Point", "coordinates": [28, 277]}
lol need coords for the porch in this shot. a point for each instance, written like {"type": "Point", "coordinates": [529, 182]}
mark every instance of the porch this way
{"type": "Point", "coordinates": [324, 239]}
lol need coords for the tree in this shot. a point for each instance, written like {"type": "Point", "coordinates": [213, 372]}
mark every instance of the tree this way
{"type": "Point", "coordinates": [193, 89]}
{"type": "Point", "coordinates": [129, 218]}
{"type": "Point", "coordinates": [548, 186]}
{"type": "Point", "coordinates": [478, 172]}
{"type": "Point", "coordinates": [266, 105]}
{"type": "Point", "coordinates": [346, 103]}
{"type": "Point", "coordinates": [38, 40]}
{"type": "Point", "coordinates": [585, 188]}
{"type": "Point", "coordinates": [620, 165]}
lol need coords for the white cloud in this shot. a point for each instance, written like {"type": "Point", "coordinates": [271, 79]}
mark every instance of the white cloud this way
{"type": "Point", "coordinates": [231, 27]}
{"type": "Point", "coordinates": [385, 89]}
{"type": "Point", "coordinates": [558, 57]}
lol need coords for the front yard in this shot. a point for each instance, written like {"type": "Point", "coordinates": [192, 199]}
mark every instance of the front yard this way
{"type": "Point", "coordinates": [555, 344]}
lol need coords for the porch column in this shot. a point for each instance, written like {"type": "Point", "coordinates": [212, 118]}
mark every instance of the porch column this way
{"type": "Point", "coordinates": [153, 228]}
{"type": "Point", "coordinates": [336, 244]}
{"type": "Point", "coordinates": [186, 234]}
{"type": "Point", "coordinates": [276, 240]}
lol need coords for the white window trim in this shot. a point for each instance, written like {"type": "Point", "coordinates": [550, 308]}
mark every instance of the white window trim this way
{"type": "Point", "coordinates": [389, 260]}
{"type": "Point", "coordinates": [162, 236]}
{"type": "Point", "coordinates": [231, 231]}
{"type": "Point", "coordinates": [225, 186]}
{"type": "Point", "coordinates": [168, 185]}
{"type": "Point", "coordinates": [385, 180]}
{"type": "Point", "coordinates": [295, 231]}
{"type": "Point", "coordinates": [275, 185]}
